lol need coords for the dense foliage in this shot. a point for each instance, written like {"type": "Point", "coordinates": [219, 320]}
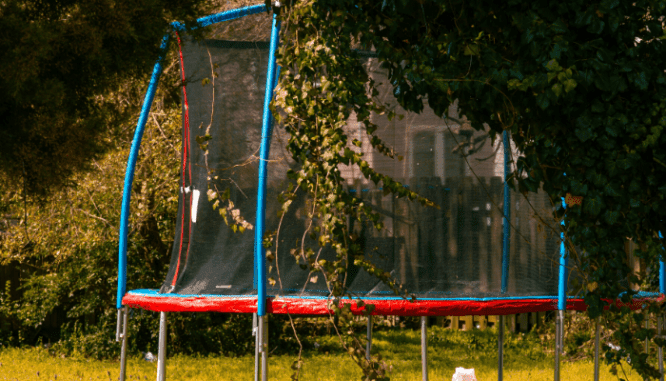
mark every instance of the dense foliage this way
{"type": "Point", "coordinates": [580, 86]}
{"type": "Point", "coordinates": [67, 244]}
{"type": "Point", "coordinates": [59, 60]}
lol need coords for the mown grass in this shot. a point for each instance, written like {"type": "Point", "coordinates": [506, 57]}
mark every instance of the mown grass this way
{"type": "Point", "coordinates": [524, 360]}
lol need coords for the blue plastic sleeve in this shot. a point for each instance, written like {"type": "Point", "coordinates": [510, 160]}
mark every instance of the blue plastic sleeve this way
{"type": "Point", "coordinates": [662, 272]}
{"type": "Point", "coordinates": [155, 293]}
{"type": "Point", "coordinates": [266, 131]}
{"type": "Point", "coordinates": [564, 262]}
{"type": "Point", "coordinates": [223, 16]}
{"type": "Point", "coordinates": [506, 227]}
{"type": "Point", "coordinates": [129, 173]}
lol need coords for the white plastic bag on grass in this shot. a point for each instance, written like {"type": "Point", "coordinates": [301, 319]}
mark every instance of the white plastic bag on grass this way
{"type": "Point", "coordinates": [463, 374]}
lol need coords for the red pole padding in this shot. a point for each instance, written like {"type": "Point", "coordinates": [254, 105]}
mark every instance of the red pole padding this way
{"type": "Point", "coordinates": [282, 305]}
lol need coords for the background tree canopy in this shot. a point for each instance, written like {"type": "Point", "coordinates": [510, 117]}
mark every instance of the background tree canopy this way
{"type": "Point", "coordinates": [579, 85]}
{"type": "Point", "coordinates": [63, 63]}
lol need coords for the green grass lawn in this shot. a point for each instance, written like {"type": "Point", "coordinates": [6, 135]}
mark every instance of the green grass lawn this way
{"type": "Point", "coordinates": [524, 360]}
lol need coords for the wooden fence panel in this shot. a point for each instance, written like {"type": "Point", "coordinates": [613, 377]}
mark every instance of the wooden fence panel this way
{"type": "Point", "coordinates": [515, 323]}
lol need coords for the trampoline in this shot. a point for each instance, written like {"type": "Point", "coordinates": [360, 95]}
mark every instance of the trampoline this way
{"type": "Point", "coordinates": [485, 251]}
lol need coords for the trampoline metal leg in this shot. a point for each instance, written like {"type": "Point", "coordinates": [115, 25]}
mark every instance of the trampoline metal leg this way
{"type": "Point", "coordinates": [122, 336]}
{"type": "Point", "coordinates": [262, 332]}
{"type": "Point", "coordinates": [161, 354]}
{"type": "Point", "coordinates": [559, 342]}
{"type": "Point", "coordinates": [424, 347]}
{"type": "Point", "coordinates": [500, 349]}
{"type": "Point", "coordinates": [660, 355]}
{"type": "Point", "coordinates": [368, 345]}
{"type": "Point", "coordinates": [257, 358]}
{"type": "Point", "coordinates": [119, 323]}
{"type": "Point", "coordinates": [596, 350]}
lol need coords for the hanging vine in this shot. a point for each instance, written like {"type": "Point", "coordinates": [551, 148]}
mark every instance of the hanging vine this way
{"type": "Point", "coordinates": [580, 87]}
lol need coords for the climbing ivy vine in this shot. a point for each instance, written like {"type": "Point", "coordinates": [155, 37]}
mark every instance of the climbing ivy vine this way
{"type": "Point", "coordinates": [579, 85]}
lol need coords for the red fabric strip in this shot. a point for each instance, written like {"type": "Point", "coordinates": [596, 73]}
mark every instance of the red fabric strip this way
{"type": "Point", "coordinates": [382, 307]}
{"type": "Point", "coordinates": [186, 144]}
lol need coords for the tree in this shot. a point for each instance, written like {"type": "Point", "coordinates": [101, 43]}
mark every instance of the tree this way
{"type": "Point", "coordinates": [580, 86]}
{"type": "Point", "coordinates": [60, 61]}
{"type": "Point", "coordinates": [67, 243]}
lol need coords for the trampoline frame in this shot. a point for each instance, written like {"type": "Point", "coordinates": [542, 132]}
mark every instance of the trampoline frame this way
{"type": "Point", "coordinates": [262, 304]}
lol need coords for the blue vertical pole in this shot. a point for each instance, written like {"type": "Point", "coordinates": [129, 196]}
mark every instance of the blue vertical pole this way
{"type": "Point", "coordinates": [506, 227]}
{"type": "Point", "coordinates": [506, 241]}
{"type": "Point", "coordinates": [266, 131]}
{"type": "Point", "coordinates": [561, 301]}
{"type": "Point", "coordinates": [564, 262]}
{"type": "Point", "coordinates": [129, 173]}
{"type": "Point", "coordinates": [662, 272]}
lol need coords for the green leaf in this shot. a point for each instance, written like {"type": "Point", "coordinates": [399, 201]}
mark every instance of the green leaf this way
{"type": "Point", "coordinates": [513, 84]}
{"type": "Point", "coordinates": [559, 26]}
{"type": "Point", "coordinates": [596, 26]}
{"type": "Point", "coordinates": [569, 85]}
{"type": "Point", "coordinates": [553, 66]}
{"type": "Point", "coordinates": [578, 188]}
{"type": "Point", "coordinates": [527, 82]}
{"type": "Point", "coordinates": [542, 101]}
{"type": "Point", "coordinates": [584, 129]}
{"type": "Point", "coordinates": [612, 189]}
{"type": "Point", "coordinates": [584, 17]}
{"type": "Point", "coordinates": [639, 80]}
{"type": "Point", "coordinates": [613, 129]}
{"type": "Point", "coordinates": [611, 216]}
{"type": "Point", "coordinates": [557, 89]}
{"type": "Point", "coordinates": [593, 204]}
{"type": "Point", "coordinates": [607, 5]}
{"type": "Point", "coordinates": [471, 50]}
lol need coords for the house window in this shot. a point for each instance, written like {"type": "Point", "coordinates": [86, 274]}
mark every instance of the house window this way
{"type": "Point", "coordinates": [423, 154]}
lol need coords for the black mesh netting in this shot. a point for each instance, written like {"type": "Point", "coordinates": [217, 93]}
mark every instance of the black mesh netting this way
{"type": "Point", "coordinates": [451, 251]}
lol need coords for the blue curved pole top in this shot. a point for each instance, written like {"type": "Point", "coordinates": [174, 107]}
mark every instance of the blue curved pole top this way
{"type": "Point", "coordinates": [129, 173]}
{"type": "Point", "coordinates": [140, 126]}
{"type": "Point", "coordinates": [223, 16]}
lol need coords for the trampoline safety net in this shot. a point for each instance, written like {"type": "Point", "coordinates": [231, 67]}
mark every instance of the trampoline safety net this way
{"type": "Point", "coordinates": [454, 251]}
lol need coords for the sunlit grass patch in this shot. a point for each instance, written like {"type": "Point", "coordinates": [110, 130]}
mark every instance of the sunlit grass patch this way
{"type": "Point", "coordinates": [524, 360]}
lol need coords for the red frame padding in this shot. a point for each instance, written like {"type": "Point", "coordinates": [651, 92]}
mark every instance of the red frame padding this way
{"type": "Point", "coordinates": [296, 306]}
